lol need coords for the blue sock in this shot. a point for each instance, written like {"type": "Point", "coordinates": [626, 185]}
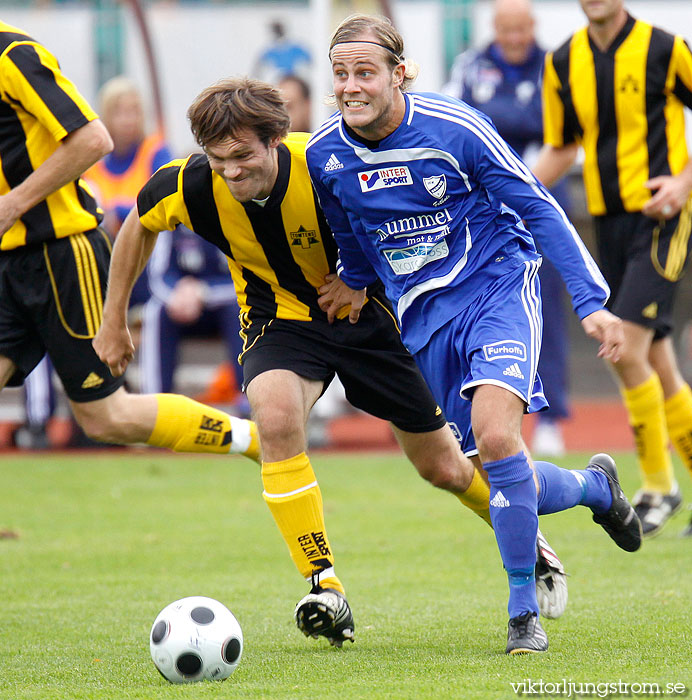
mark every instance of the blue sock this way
{"type": "Point", "coordinates": [515, 521]}
{"type": "Point", "coordinates": [561, 489]}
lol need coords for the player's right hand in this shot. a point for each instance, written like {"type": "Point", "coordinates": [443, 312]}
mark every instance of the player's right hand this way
{"type": "Point", "coordinates": [607, 329]}
{"type": "Point", "coordinates": [114, 347]}
{"type": "Point", "coordinates": [335, 294]}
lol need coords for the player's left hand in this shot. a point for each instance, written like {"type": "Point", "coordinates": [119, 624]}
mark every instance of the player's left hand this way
{"type": "Point", "coordinates": [8, 213]}
{"type": "Point", "coordinates": [335, 294]}
{"type": "Point", "coordinates": [607, 329]}
{"type": "Point", "coordinates": [113, 344]}
{"type": "Point", "coordinates": [670, 196]}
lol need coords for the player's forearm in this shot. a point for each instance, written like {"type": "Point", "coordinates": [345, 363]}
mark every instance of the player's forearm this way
{"type": "Point", "coordinates": [131, 251]}
{"type": "Point", "coordinates": [553, 163]}
{"type": "Point", "coordinates": [76, 153]}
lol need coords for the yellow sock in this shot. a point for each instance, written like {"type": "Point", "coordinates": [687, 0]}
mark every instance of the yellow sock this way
{"type": "Point", "coordinates": [476, 497]}
{"type": "Point", "coordinates": [295, 501]}
{"type": "Point", "coordinates": [644, 403]}
{"type": "Point", "coordinates": [185, 425]}
{"type": "Point", "coordinates": [678, 410]}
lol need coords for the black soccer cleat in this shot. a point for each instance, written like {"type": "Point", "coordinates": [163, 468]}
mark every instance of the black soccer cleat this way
{"type": "Point", "coordinates": [525, 635]}
{"type": "Point", "coordinates": [325, 612]}
{"type": "Point", "coordinates": [620, 521]}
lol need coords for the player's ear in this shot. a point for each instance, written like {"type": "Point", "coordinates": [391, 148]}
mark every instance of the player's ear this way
{"type": "Point", "coordinates": [398, 75]}
{"type": "Point", "coordinates": [275, 141]}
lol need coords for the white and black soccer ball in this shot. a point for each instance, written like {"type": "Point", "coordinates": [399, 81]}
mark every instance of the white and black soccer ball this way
{"type": "Point", "coordinates": [196, 639]}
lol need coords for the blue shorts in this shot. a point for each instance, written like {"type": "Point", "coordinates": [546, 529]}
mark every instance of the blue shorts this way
{"type": "Point", "coordinates": [495, 340]}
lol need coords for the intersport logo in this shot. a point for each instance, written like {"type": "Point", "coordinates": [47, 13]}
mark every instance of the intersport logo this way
{"type": "Point", "coordinates": [384, 177]}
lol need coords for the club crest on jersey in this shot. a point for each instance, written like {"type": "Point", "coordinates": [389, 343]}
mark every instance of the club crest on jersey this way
{"type": "Point", "coordinates": [303, 237]}
{"type": "Point", "coordinates": [384, 177]}
{"type": "Point", "coordinates": [505, 349]}
{"type": "Point", "coordinates": [436, 186]}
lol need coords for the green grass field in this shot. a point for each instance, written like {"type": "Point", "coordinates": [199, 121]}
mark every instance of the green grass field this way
{"type": "Point", "coordinates": [106, 540]}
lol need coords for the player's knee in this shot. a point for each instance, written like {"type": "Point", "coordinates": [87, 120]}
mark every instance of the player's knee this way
{"type": "Point", "coordinates": [109, 420]}
{"type": "Point", "coordinates": [446, 470]}
{"type": "Point", "coordinates": [496, 443]}
{"type": "Point", "coordinates": [445, 477]}
{"type": "Point", "coordinates": [100, 428]}
{"type": "Point", "coordinates": [278, 428]}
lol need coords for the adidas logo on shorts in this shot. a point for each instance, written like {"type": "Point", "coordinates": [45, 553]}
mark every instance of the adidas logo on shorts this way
{"type": "Point", "coordinates": [92, 381]}
{"type": "Point", "coordinates": [333, 164]}
{"type": "Point", "coordinates": [513, 371]}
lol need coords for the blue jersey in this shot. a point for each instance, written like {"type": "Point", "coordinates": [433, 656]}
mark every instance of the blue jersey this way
{"type": "Point", "coordinates": [432, 211]}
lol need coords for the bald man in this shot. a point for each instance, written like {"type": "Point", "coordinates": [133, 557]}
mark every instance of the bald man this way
{"type": "Point", "coordinates": [503, 80]}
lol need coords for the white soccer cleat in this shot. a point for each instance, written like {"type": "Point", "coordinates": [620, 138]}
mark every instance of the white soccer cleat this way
{"type": "Point", "coordinates": [655, 509]}
{"type": "Point", "coordinates": [325, 612]}
{"type": "Point", "coordinates": [551, 580]}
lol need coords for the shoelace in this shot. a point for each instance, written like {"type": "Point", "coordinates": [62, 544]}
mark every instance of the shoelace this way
{"type": "Point", "coordinates": [315, 581]}
{"type": "Point", "coordinates": [521, 624]}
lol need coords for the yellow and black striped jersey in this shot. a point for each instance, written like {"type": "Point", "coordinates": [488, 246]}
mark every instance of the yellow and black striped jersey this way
{"type": "Point", "coordinates": [278, 253]}
{"type": "Point", "coordinates": [625, 106]}
{"type": "Point", "coordinates": [39, 107]}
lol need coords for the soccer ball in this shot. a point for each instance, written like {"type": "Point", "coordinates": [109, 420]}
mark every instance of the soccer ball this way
{"type": "Point", "coordinates": [196, 639]}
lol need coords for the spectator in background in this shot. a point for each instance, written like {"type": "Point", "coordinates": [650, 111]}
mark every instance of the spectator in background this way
{"type": "Point", "coordinates": [120, 175]}
{"type": "Point", "coordinates": [503, 80]}
{"type": "Point", "coordinates": [192, 294]}
{"type": "Point", "coordinates": [619, 88]}
{"type": "Point", "coordinates": [296, 94]}
{"type": "Point", "coordinates": [282, 57]}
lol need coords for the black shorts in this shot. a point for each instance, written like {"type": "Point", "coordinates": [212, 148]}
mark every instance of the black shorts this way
{"type": "Point", "coordinates": [642, 260]}
{"type": "Point", "coordinates": [51, 299]}
{"type": "Point", "coordinates": [378, 374]}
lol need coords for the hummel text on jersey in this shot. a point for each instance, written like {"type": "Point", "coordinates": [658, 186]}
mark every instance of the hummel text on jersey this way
{"type": "Point", "coordinates": [420, 224]}
{"type": "Point", "coordinates": [333, 163]}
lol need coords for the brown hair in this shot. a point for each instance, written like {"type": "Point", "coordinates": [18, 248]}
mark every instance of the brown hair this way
{"type": "Point", "coordinates": [233, 105]}
{"type": "Point", "coordinates": [384, 34]}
